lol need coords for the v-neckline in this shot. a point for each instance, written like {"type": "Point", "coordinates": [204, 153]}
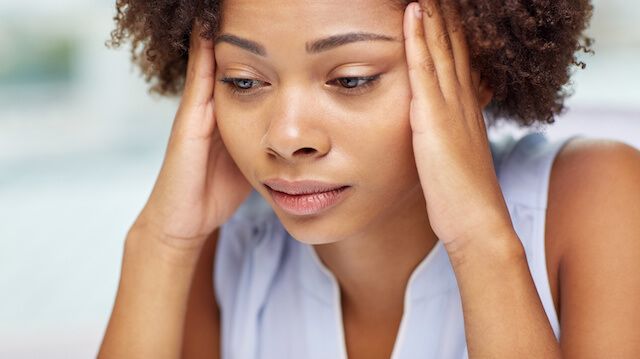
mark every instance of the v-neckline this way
{"type": "Point", "coordinates": [328, 290]}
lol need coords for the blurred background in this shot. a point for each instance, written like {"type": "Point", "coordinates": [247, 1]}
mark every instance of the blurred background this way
{"type": "Point", "coordinates": [81, 143]}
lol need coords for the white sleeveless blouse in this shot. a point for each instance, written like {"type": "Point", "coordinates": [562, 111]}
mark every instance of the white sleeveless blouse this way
{"type": "Point", "coordinates": [277, 300]}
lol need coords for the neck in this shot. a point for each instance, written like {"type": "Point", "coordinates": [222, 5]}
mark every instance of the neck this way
{"type": "Point", "coordinates": [373, 269]}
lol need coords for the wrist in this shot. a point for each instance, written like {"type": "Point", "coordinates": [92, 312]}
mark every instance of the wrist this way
{"type": "Point", "coordinates": [495, 248]}
{"type": "Point", "coordinates": [145, 240]}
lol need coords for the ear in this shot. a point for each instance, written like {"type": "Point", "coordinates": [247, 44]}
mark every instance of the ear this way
{"type": "Point", "coordinates": [483, 91]}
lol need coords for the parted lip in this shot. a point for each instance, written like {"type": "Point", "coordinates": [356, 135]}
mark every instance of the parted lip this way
{"type": "Point", "coordinates": [301, 187]}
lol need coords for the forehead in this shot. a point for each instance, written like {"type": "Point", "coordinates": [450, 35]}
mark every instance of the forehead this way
{"type": "Point", "coordinates": [299, 21]}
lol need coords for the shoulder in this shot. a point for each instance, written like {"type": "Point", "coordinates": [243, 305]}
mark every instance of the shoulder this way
{"type": "Point", "coordinates": [592, 155]}
{"type": "Point", "coordinates": [593, 236]}
{"type": "Point", "coordinates": [593, 182]}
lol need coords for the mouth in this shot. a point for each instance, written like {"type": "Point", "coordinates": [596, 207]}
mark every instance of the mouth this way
{"type": "Point", "coordinates": [303, 198]}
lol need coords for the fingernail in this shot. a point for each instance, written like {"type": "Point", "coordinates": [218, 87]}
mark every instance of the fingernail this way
{"type": "Point", "coordinates": [417, 10]}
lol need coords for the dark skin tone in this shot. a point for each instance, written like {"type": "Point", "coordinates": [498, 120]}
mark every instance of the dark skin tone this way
{"type": "Point", "coordinates": [446, 92]}
{"type": "Point", "coordinates": [428, 104]}
{"type": "Point", "coordinates": [434, 112]}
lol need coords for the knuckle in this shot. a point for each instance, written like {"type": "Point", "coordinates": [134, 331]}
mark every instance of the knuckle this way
{"type": "Point", "coordinates": [428, 7]}
{"type": "Point", "coordinates": [424, 65]}
{"type": "Point", "coordinates": [444, 41]}
{"type": "Point", "coordinates": [428, 65]}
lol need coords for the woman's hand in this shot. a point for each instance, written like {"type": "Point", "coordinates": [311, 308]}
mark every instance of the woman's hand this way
{"type": "Point", "coordinates": [199, 186]}
{"type": "Point", "coordinates": [450, 143]}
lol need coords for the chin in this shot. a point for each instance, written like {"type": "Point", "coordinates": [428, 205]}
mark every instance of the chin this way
{"type": "Point", "coordinates": [310, 230]}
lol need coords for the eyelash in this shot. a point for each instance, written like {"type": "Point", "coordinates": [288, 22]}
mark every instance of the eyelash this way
{"type": "Point", "coordinates": [370, 81]}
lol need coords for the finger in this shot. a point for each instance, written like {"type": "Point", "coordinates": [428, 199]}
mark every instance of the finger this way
{"type": "Point", "coordinates": [475, 79]}
{"type": "Point", "coordinates": [422, 73]}
{"type": "Point", "coordinates": [439, 44]}
{"type": "Point", "coordinates": [189, 146]}
{"type": "Point", "coordinates": [199, 81]}
{"type": "Point", "coordinates": [459, 44]}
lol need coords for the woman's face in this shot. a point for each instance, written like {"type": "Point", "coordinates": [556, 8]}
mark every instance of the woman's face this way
{"type": "Point", "coordinates": [303, 116]}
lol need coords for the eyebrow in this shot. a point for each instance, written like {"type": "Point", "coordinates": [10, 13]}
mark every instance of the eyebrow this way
{"type": "Point", "coordinates": [314, 47]}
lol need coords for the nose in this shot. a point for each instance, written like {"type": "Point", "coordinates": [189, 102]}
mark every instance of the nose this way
{"type": "Point", "coordinates": [296, 132]}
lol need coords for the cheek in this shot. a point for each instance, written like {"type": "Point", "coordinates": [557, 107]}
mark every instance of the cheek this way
{"type": "Point", "coordinates": [233, 134]}
{"type": "Point", "coordinates": [225, 122]}
{"type": "Point", "coordinates": [395, 150]}
{"type": "Point", "coordinates": [393, 130]}
{"type": "Point", "coordinates": [391, 146]}
{"type": "Point", "coordinates": [235, 120]}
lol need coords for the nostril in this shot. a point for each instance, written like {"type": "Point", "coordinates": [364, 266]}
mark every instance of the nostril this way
{"type": "Point", "coordinates": [306, 151]}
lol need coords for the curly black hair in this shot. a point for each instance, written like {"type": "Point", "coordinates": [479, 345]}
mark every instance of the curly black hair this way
{"type": "Point", "coordinates": [525, 49]}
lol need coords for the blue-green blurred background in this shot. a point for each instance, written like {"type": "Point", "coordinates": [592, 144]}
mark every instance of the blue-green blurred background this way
{"type": "Point", "coordinates": [81, 143]}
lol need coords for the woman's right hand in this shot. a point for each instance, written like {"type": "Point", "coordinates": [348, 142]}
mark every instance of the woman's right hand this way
{"type": "Point", "coordinates": [199, 186]}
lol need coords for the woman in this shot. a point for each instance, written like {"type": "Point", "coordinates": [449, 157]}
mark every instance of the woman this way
{"type": "Point", "coordinates": [360, 123]}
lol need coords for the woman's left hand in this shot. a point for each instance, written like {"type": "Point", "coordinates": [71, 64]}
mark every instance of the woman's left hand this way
{"type": "Point", "coordinates": [451, 147]}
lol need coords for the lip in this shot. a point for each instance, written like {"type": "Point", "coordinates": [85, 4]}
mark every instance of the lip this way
{"type": "Point", "coordinates": [306, 197]}
{"type": "Point", "coordinates": [300, 187]}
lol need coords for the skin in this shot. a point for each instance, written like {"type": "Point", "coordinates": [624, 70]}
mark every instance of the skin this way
{"type": "Point", "coordinates": [374, 239]}
{"type": "Point", "coordinates": [367, 147]}
{"type": "Point", "coordinates": [164, 306]}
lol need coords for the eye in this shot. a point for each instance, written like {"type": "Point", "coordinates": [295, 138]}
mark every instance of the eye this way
{"type": "Point", "coordinates": [240, 86]}
{"type": "Point", "coordinates": [349, 85]}
{"type": "Point", "coordinates": [356, 85]}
